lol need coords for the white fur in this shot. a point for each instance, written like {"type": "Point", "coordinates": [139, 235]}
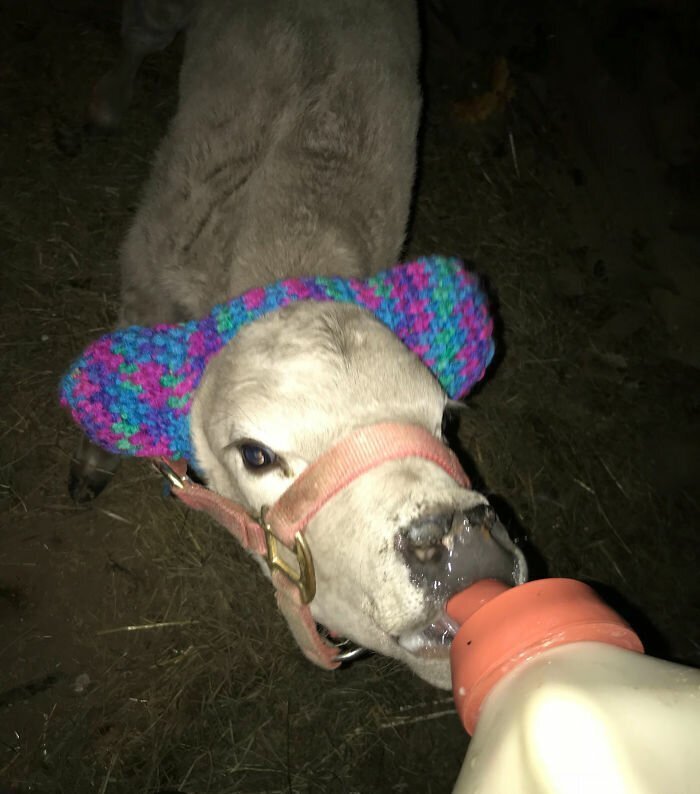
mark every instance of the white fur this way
{"type": "Point", "coordinates": [297, 381]}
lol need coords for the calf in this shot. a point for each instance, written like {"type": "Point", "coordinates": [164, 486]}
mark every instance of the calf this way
{"type": "Point", "coordinates": [292, 154]}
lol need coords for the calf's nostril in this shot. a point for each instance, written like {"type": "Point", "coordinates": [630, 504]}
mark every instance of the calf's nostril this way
{"type": "Point", "coordinates": [446, 552]}
{"type": "Point", "coordinates": [426, 554]}
{"type": "Point", "coordinates": [428, 530]}
{"type": "Point", "coordinates": [480, 517]}
{"type": "Point", "coordinates": [422, 540]}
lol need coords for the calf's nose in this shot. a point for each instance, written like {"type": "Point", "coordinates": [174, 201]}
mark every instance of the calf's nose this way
{"type": "Point", "coordinates": [424, 538]}
{"type": "Point", "coordinates": [447, 551]}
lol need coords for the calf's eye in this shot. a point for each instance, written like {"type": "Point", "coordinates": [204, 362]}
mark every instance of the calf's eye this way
{"type": "Point", "coordinates": [256, 457]}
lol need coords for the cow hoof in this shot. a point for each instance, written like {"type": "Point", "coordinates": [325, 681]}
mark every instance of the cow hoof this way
{"type": "Point", "coordinates": [84, 489]}
{"type": "Point", "coordinates": [91, 470]}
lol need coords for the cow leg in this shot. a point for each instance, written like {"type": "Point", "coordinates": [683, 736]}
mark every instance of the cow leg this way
{"type": "Point", "coordinates": [91, 469]}
{"type": "Point", "coordinates": [148, 26]}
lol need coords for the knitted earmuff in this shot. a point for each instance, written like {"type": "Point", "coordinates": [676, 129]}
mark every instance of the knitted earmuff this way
{"type": "Point", "coordinates": [131, 390]}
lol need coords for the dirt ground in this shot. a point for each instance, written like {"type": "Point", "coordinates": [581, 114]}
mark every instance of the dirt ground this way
{"type": "Point", "coordinates": [140, 650]}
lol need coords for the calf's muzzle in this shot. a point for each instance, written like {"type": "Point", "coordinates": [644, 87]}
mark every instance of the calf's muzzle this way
{"type": "Point", "coordinates": [448, 550]}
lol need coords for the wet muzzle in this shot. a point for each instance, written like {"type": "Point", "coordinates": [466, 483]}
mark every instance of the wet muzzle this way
{"type": "Point", "coordinates": [278, 534]}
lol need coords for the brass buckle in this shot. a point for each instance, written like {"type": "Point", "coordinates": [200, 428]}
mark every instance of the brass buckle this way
{"type": "Point", "coordinates": [303, 576]}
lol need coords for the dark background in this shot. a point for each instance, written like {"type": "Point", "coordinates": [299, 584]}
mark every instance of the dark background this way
{"type": "Point", "coordinates": [560, 153]}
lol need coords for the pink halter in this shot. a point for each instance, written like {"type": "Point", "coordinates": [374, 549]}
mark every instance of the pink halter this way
{"type": "Point", "coordinates": [278, 535]}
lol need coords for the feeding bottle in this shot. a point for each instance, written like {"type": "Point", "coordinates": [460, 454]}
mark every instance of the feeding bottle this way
{"type": "Point", "coordinates": [560, 699]}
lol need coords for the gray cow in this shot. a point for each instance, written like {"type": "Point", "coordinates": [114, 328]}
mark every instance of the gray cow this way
{"type": "Point", "coordinates": [292, 153]}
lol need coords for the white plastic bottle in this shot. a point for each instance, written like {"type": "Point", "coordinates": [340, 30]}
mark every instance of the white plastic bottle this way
{"type": "Point", "coordinates": [560, 699]}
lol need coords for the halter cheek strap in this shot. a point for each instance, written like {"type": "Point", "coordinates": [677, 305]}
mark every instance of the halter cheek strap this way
{"type": "Point", "coordinates": [279, 534]}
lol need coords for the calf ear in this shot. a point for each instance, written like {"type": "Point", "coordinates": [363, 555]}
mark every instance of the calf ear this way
{"type": "Point", "coordinates": [131, 390]}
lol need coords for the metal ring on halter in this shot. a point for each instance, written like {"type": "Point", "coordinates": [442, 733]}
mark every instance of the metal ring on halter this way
{"type": "Point", "coordinates": [347, 649]}
{"type": "Point", "coordinates": [353, 652]}
{"type": "Point", "coordinates": [173, 478]}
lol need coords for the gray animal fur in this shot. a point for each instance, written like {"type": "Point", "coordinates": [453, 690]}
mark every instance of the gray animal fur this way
{"type": "Point", "coordinates": [297, 158]}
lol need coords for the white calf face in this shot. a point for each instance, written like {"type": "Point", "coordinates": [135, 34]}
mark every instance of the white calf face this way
{"type": "Point", "coordinates": [281, 393]}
